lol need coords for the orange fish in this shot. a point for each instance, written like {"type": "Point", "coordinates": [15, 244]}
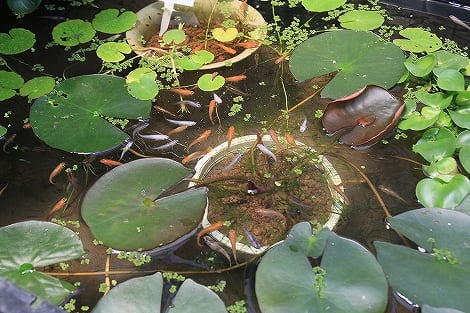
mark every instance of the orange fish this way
{"type": "Point", "coordinates": [196, 155]}
{"type": "Point", "coordinates": [59, 205]}
{"type": "Point", "coordinates": [182, 92]}
{"type": "Point", "coordinates": [27, 125]}
{"type": "Point", "coordinates": [56, 172]}
{"type": "Point", "coordinates": [230, 134]}
{"type": "Point", "coordinates": [280, 59]}
{"type": "Point", "coordinates": [225, 48]}
{"type": "Point", "coordinates": [109, 162]}
{"type": "Point", "coordinates": [178, 129]}
{"type": "Point", "coordinates": [234, 79]}
{"type": "Point", "coordinates": [159, 108]}
{"type": "Point", "coordinates": [199, 139]}
{"type": "Point", "coordinates": [274, 137]}
{"type": "Point", "coordinates": [212, 227]}
{"type": "Point", "coordinates": [198, 47]}
{"type": "Point", "coordinates": [244, 5]}
{"type": "Point", "coordinates": [290, 139]}
{"type": "Point", "coordinates": [247, 44]}
{"type": "Point", "coordinates": [232, 236]}
{"type": "Point", "coordinates": [212, 106]}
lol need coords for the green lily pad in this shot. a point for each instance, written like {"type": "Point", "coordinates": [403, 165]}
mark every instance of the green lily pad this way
{"type": "Point", "coordinates": [16, 41]}
{"type": "Point", "coordinates": [436, 193]}
{"type": "Point", "coordinates": [436, 100]}
{"type": "Point", "coordinates": [418, 40]}
{"type": "Point", "coordinates": [435, 144]}
{"type": "Point", "coordinates": [422, 66]}
{"type": "Point", "coordinates": [209, 82]}
{"type": "Point", "coordinates": [113, 51]}
{"type": "Point", "coordinates": [120, 208]}
{"type": "Point", "coordinates": [360, 58]}
{"type": "Point", "coordinates": [109, 21]}
{"type": "Point", "coordinates": [463, 143]}
{"type": "Point", "coordinates": [449, 60]}
{"type": "Point", "coordinates": [71, 117]}
{"type": "Point", "coordinates": [322, 5]}
{"type": "Point", "coordinates": [174, 36]}
{"type": "Point", "coordinates": [141, 83]}
{"type": "Point", "coordinates": [444, 169]}
{"type": "Point", "coordinates": [73, 32]}
{"type": "Point", "coordinates": [30, 244]}
{"type": "Point", "coordinates": [9, 81]}
{"type": "Point", "coordinates": [23, 6]}
{"type": "Point", "coordinates": [37, 87]}
{"type": "Point", "coordinates": [195, 61]}
{"type": "Point", "coordinates": [461, 116]}
{"type": "Point", "coordinates": [451, 80]}
{"type": "Point", "coordinates": [420, 120]}
{"type": "Point", "coordinates": [361, 20]}
{"type": "Point", "coordinates": [3, 131]}
{"type": "Point", "coordinates": [349, 279]}
{"type": "Point", "coordinates": [225, 35]}
{"type": "Point", "coordinates": [422, 276]}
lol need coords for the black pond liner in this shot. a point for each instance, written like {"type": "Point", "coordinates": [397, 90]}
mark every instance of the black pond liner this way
{"type": "Point", "coordinates": [443, 8]}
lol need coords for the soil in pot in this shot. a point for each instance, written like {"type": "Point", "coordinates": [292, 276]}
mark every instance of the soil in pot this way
{"type": "Point", "coordinates": [268, 197]}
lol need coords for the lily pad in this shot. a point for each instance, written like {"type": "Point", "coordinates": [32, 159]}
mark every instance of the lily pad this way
{"type": "Point", "coordinates": [444, 169]}
{"type": "Point", "coordinates": [420, 120]}
{"type": "Point", "coordinates": [73, 32]}
{"type": "Point", "coordinates": [422, 66]}
{"type": "Point", "coordinates": [322, 5]}
{"type": "Point", "coordinates": [349, 279]}
{"type": "Point", "coordinates": [3, 131]}
{"type": "Point", "coordinates": [435, 144]}
{"type": "Point", "coordinates": [109, 21]}
{"type": "Point", "coordinates": [9, 81]}
{"type": "Point", "coordinates": [209, 82]}
{"type": "Point", "coordinates": [422, 276]}
{"type": "Point", "coordinates": [436, 193]}
{"type": "Point", "coordinates": [16, 41]}
{"type": "Point", "coordinates": [461, 116]}
{"type": "Point", "coordinates": [23, 6]}
{"type": "Point", "coordinates": [195, 61]}
{"type": "Point", "coordinates": [174, 36]}
{"type": "Point", "coordinates": [121, 210]}
{"type": "Point", "coordinates": [141, 83]}
{"type": "Point", "coordinates": [436, 100]}
{"type": "Point", "coordinates": [359, 58]}
{"type": "Point", "coordinates": [418, 40]}
{"type": "Point", "coordinates": [27, 245]}
{"type": "Point", "coordinates": [37, 87]}
{"type": "Point", "coordinates": [361, 20]}
{"type": "Point", "coordinates": [451, 80]}
{"type": "Point", "coordinates": [71, 117]}
{"type": "Point", "coordinates": [225, 35]}
{"type": "Point", "coordinates": [113, 51]}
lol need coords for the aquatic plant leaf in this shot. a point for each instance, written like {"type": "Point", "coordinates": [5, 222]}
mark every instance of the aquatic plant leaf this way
{"type": "Point", "coordinates": [174, 36]}
{"type": "Point", "coordinates": [420, 120]}
{"type": "Point", "coordinates": [422, 66]}
{"type": "Point", "coordinates": [141, 83]}
{"type": "Point", "coordinates": [461, 116]}
{"type": "Point", "coordinates": [301, 237]}
{"type": "Point", "coordinates": [71, 117]}
{"type": "Point", "coordinates": [322, 5]}
{"type": "Point", "coordinates": [359, 58]}
{"type": "Point", "coordinates": [448, 60]}
{"type": "Point", "coordinates": [37, 86]}
{"type": "Point", "coordinates": [209, 82]}
{"type": "Point", "coordinates": [195, 61]}
{"type": "Point", "coordinates": [418, 40]}
{"type": "Point", "coordinates": [30, 244]}
{"type": "Point", "coordinates": [143, 295]}
{"type": "Point", "coordinates": [444, 169]}
{"type": "Point", "coordinates": [9, 81]}
{"type": "Point", "coordinates": [463, 143]}
{"type": "Point", "coordinates": [23, 6]}
{"type": "Point", "coordinates": [462, 97]}
{"type": "Point", "coordinates": [436, 193]}
{"type": "Point", "coordinates": [193, 297]}
{"type": "Point", "coordinates": [113, 51]}
{"type": "Point", "coordinates": [225, 35]}
{"type": "Point", "coordinates": [120, 211]}
{"type": "Point", "coordinates": [361, 20]}
{"type": "Point", "coordinates": [3, 131]}
{"type": "Point", "coordinates": [435, 144]}
{"type": "Point", "coordinates": [16, 41]}
{"type": "Point", "coordinates": [436, 100]}
{"type": "Point", "coordinates": [451, 80]}
{"type": "Point", "coordinates": [73, 32]}
{"type": "Point", "coordinates": [349, 279]}
{"type": "Point", "coordinates": [109, 21]}
{"type": "Point", "coordinates": [429, 309]}
{"type": "Point", "coordinates": [444, 235]}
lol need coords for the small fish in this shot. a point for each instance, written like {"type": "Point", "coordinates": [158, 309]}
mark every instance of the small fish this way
{"type": "Point", "coordinates": [212, 227]}
{"type": "Point", "coordinates": [392, 193]}
{"type": "Point", "coordinates": [273, 135]}
{"type": "Point", "coordinates": [160, 109]}
{"type": "Point", "coordinates": [8, 142]}
{"type": "Point", "coordinates": [181, 123]}
{"type": "Point", "coordinates": [303, 126]}
{"type": "Point", "coordinates": [224, 47]}
{"type": "Point", "coordinates": [290, 140]}
{"type": "Point", "coordinates": [196, 155]}
{"type": "Point", "coordinates": [156, 137]}
{"type": "Point", "coordinates": [253, 190]}
{"type": "Point", "coordinates": [366, 120]}
{"type": "Point", "coordinates": [178, 129]}
{"type": "Point", "coordinates": [458, 21]}
{"type": "Point", "coordinates": [233, 162]}
{"type": "Point", "coordinates": [232, 236]}
{"type": "Point", "coordinates": [217, 98]}
{"type": "Point", "coordinates": [26, 126]}
{"type": "Point", "coordinates": [236, 91]}
{"type": "Point", "coordinates": [182, 92]}
{"type": "Point", "coordinates": [266, 151]}
{"type": "Point", "coordinates": [109, 162]}
{"type": "Point", "coordinates": [271, 213]}
{"type": "Point", "coordinates": [280, 59]}
{"type": "Point", "coordinates": [165, 146]}
{"type": "Point", "coordinates": [59, 167]}
{"type": "Point", "coordinates": [126, 148]}
{"type": "Point", "coordinates": [251, 238]}
{"type": "Point", "coordinates": [191, 103]}
{"type": "Point", "coordinates": [3, 189]}
{"type": "Point", "coordinates": [230, 134]}
{"type": "Point", "coordinates": [58, 206]}
{"type": "Point", "coordinates": [247, 44]}
{"type": "Point", "coordinates": [234, 79]}
{"type": "Point", "coordinates": [212, 107]}
{"type": "Point", "coordinates": [138, 128]}
{"type": "Point", "coordinates": [201, 138]}
{"type": "Point", "coordinates": [214, 246]}
{"type": "Point", "coordinates": [198, 47]}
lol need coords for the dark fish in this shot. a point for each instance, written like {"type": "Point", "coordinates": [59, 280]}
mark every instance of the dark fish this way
{"type": "Point", "coordinates": [251, 238]}
{"type": "Point", "coordinates": [211, 243]}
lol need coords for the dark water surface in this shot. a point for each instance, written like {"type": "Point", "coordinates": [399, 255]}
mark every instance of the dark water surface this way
{"type": "Point", "coordinates": [26, 166]}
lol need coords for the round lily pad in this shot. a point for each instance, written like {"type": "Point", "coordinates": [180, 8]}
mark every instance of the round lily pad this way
{"type": "Point", "coordinates": [9, 81]}
{"type": "Point", "coordinates": [361, 20]}
{"type": "Point", "coordinates": [121, 210]}
{"type": "Point", "coordinates": [141, 83]}
{"type": "Point", "coordinates": [322, 5]}
{"type": "Point", "coordinates": [38, 86]}
{"type": "Point", "coordinates": [113, 51]}
{"type": "Point", "coordinates": [109, 21]}
{"type": "Point", "coordinates": [225, 35]}
{"type": "Point", "coordinates": [418, 40]}
{"type": "Point", "coordinates": [73, 32]}
{"type": "Point", "coordinates": [71, 117]}
{"type": "Point", "coordinates": [16, 41]}
{"type": "Point", "coordinates": [209, 82]}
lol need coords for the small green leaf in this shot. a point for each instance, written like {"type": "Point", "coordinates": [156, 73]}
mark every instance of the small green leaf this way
{"type": "Point", "coordinates": [418, 40]}
{"type": "Point", "coordinates": [435, 144]}
{"type": "Point", "coordinates": [110, 22]}
{"type": "Point", "coordinates": [208, 82]}
{"type": "Point", "coordinates": [461, 116]}
{"type": "Point", "coordinates": [451, 80]}
{"type": "Point", "coordinates": [361, 20]}
{"type": "Point", "coordinates": [322, 5]}
{"type": "Point", "coordinates": [444, 169]}
{"type": "Point", "coordinates": [3, 131]}
{"type": "Point", "coordinates": [225, 35]}
{"type": "Point", "coordinates": [38, 86]}
{"type": "Point", "coordinates": [463, 143]}
{"type": "Point", "coordinates": [196, 60]}
{"type": "Point", "coordinates": [433, 193]}
{"type": "Point", "coordinates": [436, 100]}
{"type": "Point", "coordinates": [420, 120]}
{"type": "Point", "coordinates": [113, 51]}
{"type": "Point", "coordinates": [16, 41]}
{"type": "Point", "coordinates": [9, 81]}
{"type": "Point", "coordinates": [175, 36]}
{"type": "Point", "coordinates": [423, 66]}
{"type": "Point", "coordinates": [73, 32]}
{"type": "Point", "coordinates": [462, 97]}
{"type": "Point", "coordinates": [141, 83]}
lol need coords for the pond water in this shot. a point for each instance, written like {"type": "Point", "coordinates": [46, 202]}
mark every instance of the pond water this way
{"type": "Point", "coordinates": [26, 163]}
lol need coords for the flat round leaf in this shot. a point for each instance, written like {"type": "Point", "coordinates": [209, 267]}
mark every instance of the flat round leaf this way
{"type": "Point", "coordinates": [109, 21]}
{"type": "Point", "coordinates": [461, 116]}
{"type": "Point", "coordinates": [418, 40]}
{"type": "Point", "coordinates": [195, 61]}
{"type": "Point", "coordinates": [225, 35]}
{"type": "Point", "coordinates": [73, 32]}
{"type": "Point", "coordinates": [435, 144]}
{"type": "Point", "coordinates": [451, 80]}
{"type": "Point", "coordinates": [141, 295]}
{"type": "Point", "coordinates": [420, 120]}
{"type": "Point", "coordinates": [141, 83]}
{"type": "Point", "coordinates": [322, 5]}
{"type": "Point", "coordinates": [174, 36]}
{"type": "Point", "coordinates": [16, 41]}
{"type": "Point", "coordinates": [423, 66]}
{"type": "Point", "coordinates": [120, 211]}
{"type": "Point", "coordinates": [436, 100]}
{"type": "Point", "coordinates": [71, 117]}
{"type": "Point", "coordinates": [113, 51]}
{"type": "Point", "coordinates": [361, 20]}
{"type": "Point", "coordinates": [359, 58]}
{"type": "Point", "coordinates": [38, 86]}
{"type": "Point", "coordinates": [9, 81]}
{"type": "Point", "coordinates": [209, 82]}
{"type": "Point", "coordinates": [435, 193]}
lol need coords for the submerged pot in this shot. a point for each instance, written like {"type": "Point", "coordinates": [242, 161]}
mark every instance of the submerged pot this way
{"type": "Point", "coordinates": [149, 20]}
{"type": "Point", "coordinates": [209, 167]}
